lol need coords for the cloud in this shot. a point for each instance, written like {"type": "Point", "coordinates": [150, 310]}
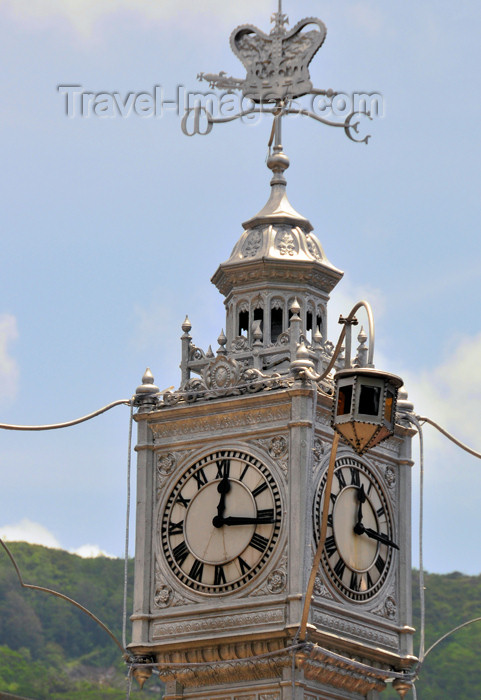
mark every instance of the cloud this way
{"type": "Point", "coordinates": [28, 531]}
{"type": "Point", "coordinates": [34, 533]}
{"type": "Point", "coordinates": [450, 393]}
{"type": "Point", "coordinates": [82, 15]}
{"type": "Point", "coordinates": [91, 551]}
{"type": "Point", "coordinates": [8, 366]}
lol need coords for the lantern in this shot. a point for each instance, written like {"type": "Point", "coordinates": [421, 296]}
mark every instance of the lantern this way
{"type": "Point", "coordinates": [364, 410]}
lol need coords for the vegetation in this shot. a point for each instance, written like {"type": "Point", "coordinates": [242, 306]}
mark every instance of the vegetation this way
{"type": "Point", "coordinates": [49, 649]}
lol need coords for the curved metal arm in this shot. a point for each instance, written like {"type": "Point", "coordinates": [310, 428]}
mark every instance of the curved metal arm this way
{"type": "Point", "coordinates": [342, 335]}
{"type": "Point", "coordinates": [62, 596]}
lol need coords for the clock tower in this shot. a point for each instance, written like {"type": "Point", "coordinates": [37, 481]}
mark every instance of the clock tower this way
{"type": "Point", "coordinates": [231, 483]}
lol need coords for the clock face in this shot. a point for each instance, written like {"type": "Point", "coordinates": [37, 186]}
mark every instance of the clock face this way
{"type": "Point", "coordinates": [358, 551]}
{"type": "Point", "coordinates": [221, 522]}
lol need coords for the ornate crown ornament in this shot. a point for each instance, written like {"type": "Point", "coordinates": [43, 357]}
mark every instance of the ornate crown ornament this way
{"type": "Point", "coordinates": [277, 66]}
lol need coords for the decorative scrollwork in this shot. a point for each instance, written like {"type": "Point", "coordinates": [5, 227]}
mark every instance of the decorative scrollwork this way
{"type": "Point", "coordinates": [278, 447]}
{"type": "Point", "coordinates": [196, 353]}
{"type": "Point", "coordinates": [163, 596]}
{"type": "Point", "coordinates": [318, 449]}
{"type": "Point", "coordinates": [171, 398]}
{"type": "Point", "coordinates": [240, 344]}
{"type": "Point", "coordinates": [193, 389]}
{"type": "Point", "coordinates": [283, 338]}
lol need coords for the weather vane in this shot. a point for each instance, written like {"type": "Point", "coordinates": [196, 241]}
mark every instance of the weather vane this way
{"type": "Point", "coordinates": [277, 67]}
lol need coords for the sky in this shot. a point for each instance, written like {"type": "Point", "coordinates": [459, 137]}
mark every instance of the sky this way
{"type": "Point", "coordinates": [111, 227]}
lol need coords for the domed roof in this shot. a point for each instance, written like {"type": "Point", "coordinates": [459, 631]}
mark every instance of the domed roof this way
{"type": "Point", "coordinates": [279, 238]}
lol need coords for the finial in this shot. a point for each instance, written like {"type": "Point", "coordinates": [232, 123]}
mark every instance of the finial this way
{"type": "Point", "coordinates": [295, 308]}
{"type": "Point", "coordinates": [186, 326]}
{"type": "Point", "coordinates": [402, 686]}
{"type": "Point", "coordinates": [147, 392]}
{"type": "Point", "coordinates": [317, 337]}
{"type": "Point", "coordinates": [222, 340]}
{"type": "Point", "coordinates": [303, 360]}
{"type": "Point", "coordinates": [361, 356]}
{"type": "Point", "coordinates": [257, 332]}
{"type": "Point", "coordinates": [403, 403]}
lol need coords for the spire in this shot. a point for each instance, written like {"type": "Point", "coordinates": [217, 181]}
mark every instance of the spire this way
{"type": "Point", "coordinates": [278, 209]}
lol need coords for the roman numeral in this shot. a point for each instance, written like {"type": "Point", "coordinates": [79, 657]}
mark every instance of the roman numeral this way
{"type": "Point", "coordinates": [330, 522]}
{"type": "Point", "coordinates": [219, 576]}
{"type": "Point", "coordinates": [380, 564]}
{"type": "Point", "coordinates": [340, 568]}
{"type": "Point", "coordinates": [197, 570]}
{"type": "Point", "coordinates": [380, 512]}
{"type": "Point", "coordinates": [223, 468]}
{"type": "Point", "coordinates": [266, 515]}
{"type": "Point", "coordinates": [176, 528]}
{"type": "Point", "coordinates": [180, 553]}
{"type": "Point", "coordinates": [355, 480]}
{"type": "Point", "coordinates": [262, 487]}
{"type": "Point", "coordinates": [330, 546]}
{"type": "Point", "coordinates": [340, 478]}
{"type": "Point", "coordinates": [244, 567]}
{"type": "Point", "coordinates": [369, 581]}
{"type": "Point", "coordinates": [183, 501]}
{"type": "Point", "coordinates": [333, 498]}
{"type": "Point", "coordinates": [200, 477]}
{"type": "Point", "coordinates": [244, 472]}
{"type": "Point", "coordinates": [258, 542]}
{"type": "Point", "coordinates": [355, 584]}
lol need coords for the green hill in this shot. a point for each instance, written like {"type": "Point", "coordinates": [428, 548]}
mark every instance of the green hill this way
{"type": "Point", "coordinates": [49, 649]}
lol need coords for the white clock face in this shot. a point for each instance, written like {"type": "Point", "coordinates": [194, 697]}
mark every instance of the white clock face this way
{"type": "Point", "coordinates": [221, 522]}
{"type": "Point", "coordinates": [359, 546]}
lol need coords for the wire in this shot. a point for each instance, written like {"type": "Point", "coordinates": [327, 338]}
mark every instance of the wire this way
{"type": "Point", "coordinates": [449, 436]}
{"type": "Point", "coordinates": [127, 530]}
{"type": "Point", "coordinates": [129, 683]}
{"type": "Point", "coordinates": [455, 629]}
{"type": "Point", "coordinates": [62, 596]}
{"type": "Point", "coordinates": [55, 426]}
{"type": "Point", "coordinates": [414, 420]}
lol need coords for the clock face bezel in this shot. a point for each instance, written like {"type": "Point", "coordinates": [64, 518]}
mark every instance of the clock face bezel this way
{"type": "Point", "coordinates": [356, 566]}
{"type": "Point", "coordinates": [219, 561]}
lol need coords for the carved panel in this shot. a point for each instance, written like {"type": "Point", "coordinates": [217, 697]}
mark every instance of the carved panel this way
{"type": "Point", "coordinates": [252, 243]}
{"type": "Point", "coordinates": [214, 423]}
{"type": "Point", "coordinates": [351, 628]}
{"type": "Point", "coordinates": [285, 242]}
{"type": "Point", "coordinates": [253, 619]}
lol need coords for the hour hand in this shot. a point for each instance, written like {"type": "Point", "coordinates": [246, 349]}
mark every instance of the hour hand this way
{"type": "Point", "coordinates": [361, 496]}
{"type": "Point", "coordinates": [223, 487]}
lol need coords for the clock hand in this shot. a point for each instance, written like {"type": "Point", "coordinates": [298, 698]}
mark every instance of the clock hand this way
{"type": "Point", "coordinates": [361, 498]}
{"type": "Point", "coordinates": [359, 529]}
{"type": "Point", "coordinates": [223, 487]}
{"type": "Point", "coordinates": [238, 520]}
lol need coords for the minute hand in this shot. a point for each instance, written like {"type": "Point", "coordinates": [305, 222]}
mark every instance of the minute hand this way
{"type": "Point", "coordinates": [237, 520]}
{"type": "Point", "coordinates": [380, 537]}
